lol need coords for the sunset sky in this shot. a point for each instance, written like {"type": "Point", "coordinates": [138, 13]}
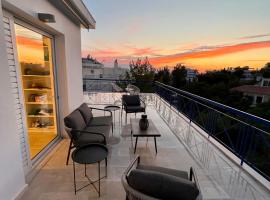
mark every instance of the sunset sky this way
{"type": "Point", "coordinates": [206, 35]}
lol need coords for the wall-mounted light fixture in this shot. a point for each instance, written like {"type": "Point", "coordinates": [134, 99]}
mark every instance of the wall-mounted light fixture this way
{"type": "Point", "coordinates": [45, 17]}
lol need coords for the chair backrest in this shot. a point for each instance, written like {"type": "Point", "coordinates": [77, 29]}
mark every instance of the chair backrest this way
{"type": "Point", "coordinates": [131, 100]}
{"type": "Point", "coordinates": [86, 112]}
{"type": "Point", "coordinates": [75, 120]}
{"type": "Point", "coordinates": [133, 194]}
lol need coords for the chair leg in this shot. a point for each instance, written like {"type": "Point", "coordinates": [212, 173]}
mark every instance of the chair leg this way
{"type": "Point", "coordinates": [69, 148]}
{"type": "Point", "coordinates": [126, 117]}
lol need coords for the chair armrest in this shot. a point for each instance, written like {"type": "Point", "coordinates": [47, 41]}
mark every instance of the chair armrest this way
{"type": "Point", "coordinates": [93, 108]}
{"type": "Point", "coordinates": [135, 161]}
{"type": "Point", "coordinates": [89, 125]}
{"type": "Point", "coordinates": [84, 131]}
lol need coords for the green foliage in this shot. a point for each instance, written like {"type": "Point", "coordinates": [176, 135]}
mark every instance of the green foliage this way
{"type": "Point", "coordinates": [262, 110]}
{"type": "Point", "coordinates": [142, 73]}
{"type": "Point", "coordinates": [179, 73]}
{"type": "Point", "coordinates": [163, 75]}
{"type": "Point", "coordinates": [266, 70]}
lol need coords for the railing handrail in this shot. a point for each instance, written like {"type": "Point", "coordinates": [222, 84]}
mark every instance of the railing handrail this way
{"type": "Point", "coordinates": [109, 79]}
{"type": "Point", "coordinates": [219, 105]}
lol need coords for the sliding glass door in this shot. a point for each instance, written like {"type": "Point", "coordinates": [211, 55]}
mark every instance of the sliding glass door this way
{"type": "Point", "coordinates": [37, 75]}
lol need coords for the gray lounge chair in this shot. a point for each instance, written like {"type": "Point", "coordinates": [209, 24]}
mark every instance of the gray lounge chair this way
{"type": "Point", "coordinates": [132, 104]}
{"type": "Point", "coordinates": [84, 128]}
{"type": "Point", "coordinates": [162, 183]}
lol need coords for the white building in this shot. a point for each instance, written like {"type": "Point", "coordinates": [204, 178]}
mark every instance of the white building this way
{"type": "Point", "coordinates": [40, 82]}
{"type": "Point", "coordinates": [265, 82]}
{"type": "Point", "coordinates": [259, 93]}
{"type": "Point", "coordinates": [91, 68]}
{"type": "Point", "coordinates": [114, 73]}
{"type": "Point", "coordinates": [94, 69]}
{"type": "Point", "coordinates": [191, 74]}
{"type": "Point", "coordinates": [247, 75]}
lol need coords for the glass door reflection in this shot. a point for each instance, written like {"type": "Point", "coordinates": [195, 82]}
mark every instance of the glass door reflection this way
{"type": "Point", "coordinates": [37, 75]}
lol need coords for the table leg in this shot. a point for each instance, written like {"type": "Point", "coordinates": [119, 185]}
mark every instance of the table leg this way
{"type": "Point", "coordinates": [135, 145]}
{"type": "Point", "coordinates": [99, 179]}
{"type": "Point", "coordinates": [84, 169]}
{"type": "Point", "coordinates": [120, 120]}
{"type": "Point", "coordinates": [155, 144]}
{"type": "Point", "coordinates": [114, 117]}
{"type": "Point", "coordinates": [106, 165]}
{"type": "Point", "coordinates": [74, 177]}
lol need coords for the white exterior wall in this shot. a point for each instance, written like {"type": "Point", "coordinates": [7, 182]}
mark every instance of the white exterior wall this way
{"type": "Point", "coordinates": [11, 168]}
{"type": "Point", "coordinates": [69, 75]}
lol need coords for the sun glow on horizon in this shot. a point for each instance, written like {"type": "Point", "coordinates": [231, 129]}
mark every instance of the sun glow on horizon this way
{"type": "Point", "coordinates": [206, 35]}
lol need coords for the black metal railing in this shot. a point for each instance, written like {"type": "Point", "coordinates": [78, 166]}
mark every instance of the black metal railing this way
{"type": "Point", "coordinates": [245, 135]}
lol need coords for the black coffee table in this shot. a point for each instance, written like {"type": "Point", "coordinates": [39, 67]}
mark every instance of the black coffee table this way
{"type": "Point", "coordinates": [90, 154]}
{"type": "Point", "coordinates": [136, 132]}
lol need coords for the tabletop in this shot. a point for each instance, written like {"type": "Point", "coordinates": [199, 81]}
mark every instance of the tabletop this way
{"type": "Point", "coordinates": [151, 131]}
{"type": "Point", "coordinates": [112, 107]}
{"type": "Point", "coordinates": [91, 153]}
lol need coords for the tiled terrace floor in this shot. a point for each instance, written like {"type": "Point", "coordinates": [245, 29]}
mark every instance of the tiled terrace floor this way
{"type": "Point", "coordinates": [55, 179]}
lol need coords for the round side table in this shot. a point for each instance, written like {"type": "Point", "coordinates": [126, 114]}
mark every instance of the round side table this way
{"type": "Point", "coordinates": [89, 154]}
{"type": "Point", "coordinates": [113, 108]}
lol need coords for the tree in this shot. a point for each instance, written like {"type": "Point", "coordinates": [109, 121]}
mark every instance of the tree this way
{"type": "Point", "coordinates": [266, 70]}
{"type": "Point", "coordinates": [142, 73]}
{"type": "Point", "coordinates": [163, 75]}
{"type": "Point", "coordinates": [261, 110]}
{"type": "Point", "coordinates": [179, 76]}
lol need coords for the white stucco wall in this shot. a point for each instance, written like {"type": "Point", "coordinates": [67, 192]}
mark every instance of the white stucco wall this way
{"type": "Point", "coordinates": [11, 169]}
{"type": "Point", "coordinates": [69, 76]}
{"type": "Point", "coordinates": [68, 53]}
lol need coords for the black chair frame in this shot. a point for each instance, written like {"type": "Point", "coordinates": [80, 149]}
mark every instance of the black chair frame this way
{"type": "Point", "coordinates": [72, 143]}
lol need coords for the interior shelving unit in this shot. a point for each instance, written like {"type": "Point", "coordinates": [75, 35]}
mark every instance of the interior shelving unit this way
{"type": "Point", "coordinates": [37, 77]}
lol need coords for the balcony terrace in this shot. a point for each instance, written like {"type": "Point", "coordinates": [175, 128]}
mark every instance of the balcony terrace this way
{"type": "Point", "coordinates": [223, 172]}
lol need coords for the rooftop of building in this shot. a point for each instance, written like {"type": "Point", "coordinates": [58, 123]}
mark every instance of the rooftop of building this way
{"type": "Point", "coordinates": [252, 89]}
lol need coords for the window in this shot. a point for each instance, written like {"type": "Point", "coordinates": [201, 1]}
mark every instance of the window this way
{"type": "Point", "coordinates": [259, 99]}
{"type": "Point", "coordinates": [92, 71]}
{"type": "Point", "coordinates": [266, 83]}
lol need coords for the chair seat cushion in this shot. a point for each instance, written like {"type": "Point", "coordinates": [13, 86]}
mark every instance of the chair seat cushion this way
{"type": "Point", "coordinates": [75, 120]}
{"type": "Point", "coordinates": [86, 138]}
{"type": "Point", "coordinates": [103, 120]}
{"type": "Point", "coordinates": [173, 172]}
{"type": "Point", "coordinates": [86, 112]}
{"type": "Point", "coordinates": [162, 186]}
{"type": "Point", "coordinates": [135, 109]}
{"type": "Point", "coordinates": [105, 130]}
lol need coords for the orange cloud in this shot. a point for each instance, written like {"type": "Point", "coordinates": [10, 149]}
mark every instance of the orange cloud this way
{"type": "Point", "coordinates": [212, 52]}
{"type": "Point", "coordinates": [145, 51]}
{"type": "Point", "coordinates": [102, 53]}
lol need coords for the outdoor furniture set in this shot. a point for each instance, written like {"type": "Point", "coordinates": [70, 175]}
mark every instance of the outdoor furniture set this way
{"type": "Point", "coordinates": [89, 135]}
